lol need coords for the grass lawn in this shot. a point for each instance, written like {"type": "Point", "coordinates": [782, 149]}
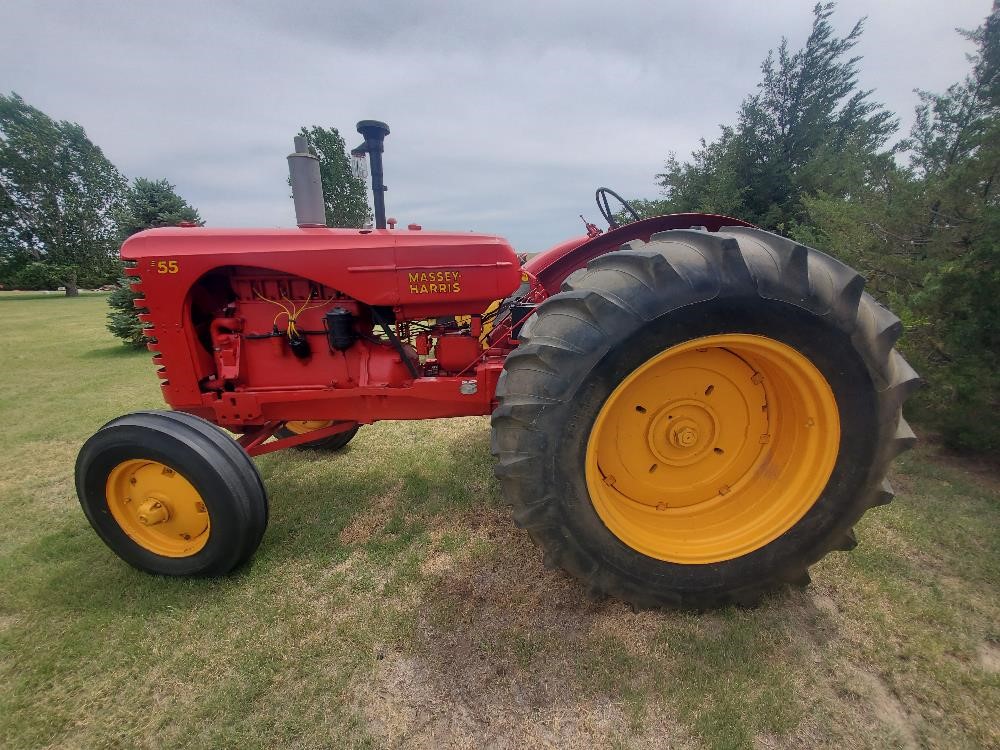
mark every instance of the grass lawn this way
{"type": "Point", "coordinates": [394, 604]}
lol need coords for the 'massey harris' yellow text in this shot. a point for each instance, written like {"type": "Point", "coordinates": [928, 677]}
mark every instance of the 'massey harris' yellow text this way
{"type": "Point", "coordinates": [434, 282]}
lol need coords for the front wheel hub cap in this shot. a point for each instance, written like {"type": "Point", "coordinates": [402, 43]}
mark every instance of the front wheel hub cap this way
{"type": "Point", "coordinates": [158, 508]}
{"type": "Point", "coordinates": [152, 512]}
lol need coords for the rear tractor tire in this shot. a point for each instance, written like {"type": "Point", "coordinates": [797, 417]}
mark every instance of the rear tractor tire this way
{"type": "Point", "coordinates": [172, 494]}
{"type": "Point", "coordinates": [331, 443]}
{"type": "Point", "coordinates": [696, 420]}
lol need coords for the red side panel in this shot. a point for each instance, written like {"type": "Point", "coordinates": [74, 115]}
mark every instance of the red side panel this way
{"type": "Point", "coordinates": [418, 273]}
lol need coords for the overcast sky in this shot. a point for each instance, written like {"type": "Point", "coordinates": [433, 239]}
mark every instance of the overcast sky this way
{"type": "Point", "coordinates": [505, 116]}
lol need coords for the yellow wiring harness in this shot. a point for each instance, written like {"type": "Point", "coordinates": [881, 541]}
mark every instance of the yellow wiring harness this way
{"type": "Point", "coordinates": [293, 314]}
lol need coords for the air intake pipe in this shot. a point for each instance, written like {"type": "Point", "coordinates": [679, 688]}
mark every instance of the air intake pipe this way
{"type": "Point", "coordinates": [307, 186]}
{"type": "Point", "coordinates": [374, 133]}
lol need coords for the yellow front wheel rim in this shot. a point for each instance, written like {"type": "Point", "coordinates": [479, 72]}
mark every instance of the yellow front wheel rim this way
{"type": "Point", "coordinates": [713, 448]}
{"type": "Point", "coordinates": [158, 508]}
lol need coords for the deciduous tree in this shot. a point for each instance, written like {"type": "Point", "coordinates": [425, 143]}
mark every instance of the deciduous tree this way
{"type": "Point", "coordinates": [346, 196]}
{"type": "Point", "coordinates": [59, 197]}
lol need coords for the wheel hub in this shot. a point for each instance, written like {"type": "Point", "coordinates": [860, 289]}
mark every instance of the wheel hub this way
{"type": "Point", "coordinates": [302, 427]}
{"type": "Point", "coordinates": [152, 512]}
{"type": "Point", "coordinates": [684, 436]}
{"type": "Point", "coordinates": [680, 431]}
{"type": "Point", "coordinates": [158, 508]}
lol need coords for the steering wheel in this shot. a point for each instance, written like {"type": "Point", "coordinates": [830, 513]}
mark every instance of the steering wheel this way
{"type": "Point", "coordinates": [602, 205]}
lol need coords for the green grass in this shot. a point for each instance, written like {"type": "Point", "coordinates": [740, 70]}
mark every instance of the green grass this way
{"type": "Point", "coordinates": [393, 603]}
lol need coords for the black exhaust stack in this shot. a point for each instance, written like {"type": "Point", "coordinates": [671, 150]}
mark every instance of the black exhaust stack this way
{"type": "Point", "coordinates": [374, 133]}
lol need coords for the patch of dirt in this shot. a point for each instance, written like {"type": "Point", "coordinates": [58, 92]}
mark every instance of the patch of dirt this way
{"type": "Point", "coordinates": [406, 707]}
{"type": "Point", "coordinates": [437, 563]}
{"type": "Point", "coordinates": [364, 526]}
{"type": "Point", "coordinates": [509, 583]}
{"type": "Point", "coordinates": [887, 707]}
{"type": "Point", "coordinates": [814, 614]}
{"type": "Point", "coordinates": [495, 660]}
{"type": "Point", "coordinates": [985, 468]}
{"type": "Point", "coordinates": [989, 657]}
{"type": "Point", "coordinates": [826, 605]}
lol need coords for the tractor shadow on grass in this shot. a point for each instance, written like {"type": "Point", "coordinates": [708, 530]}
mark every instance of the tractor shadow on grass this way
{"type": "Point", "coordinates": [376, 498]}
{"type": "Point", "coordinates": [506, 651]}
{"type": "Point", "coordinates": [383, 495]}
{"type": "Point", "coordinates": [70, 570]}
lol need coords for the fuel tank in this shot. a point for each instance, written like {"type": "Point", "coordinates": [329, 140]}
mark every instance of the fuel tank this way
{"type": "Point", "coordinates": [419, 274]}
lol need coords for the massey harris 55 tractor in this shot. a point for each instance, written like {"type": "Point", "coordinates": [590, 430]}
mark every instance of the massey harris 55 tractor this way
{"type": "Point", "coordinates": [686, 410]}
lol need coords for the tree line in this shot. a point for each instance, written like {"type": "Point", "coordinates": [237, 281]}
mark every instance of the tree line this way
{"type": "Point", "coordinates": [65, 208]}
{"type": "Point", "coordinates": [813, 156]}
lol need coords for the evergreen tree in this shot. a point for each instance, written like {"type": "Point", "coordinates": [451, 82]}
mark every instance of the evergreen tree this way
{"type": "Point", "coordinates": [346, 196]}
{"type": "Point", "coordinates": [59, 198]}
{"type": "Point", "coordinates": [809, 128]}
{"type": "Point", "coordinates": [956, 155]}
{"type": "Point", "coordinates": [148, 204]}
{"type": "Point", "coordinates": [929, 243]}
{"type": "Point", "coordinates": [123, 319]}
{"type": "Point", "coordinates": [809, 156]}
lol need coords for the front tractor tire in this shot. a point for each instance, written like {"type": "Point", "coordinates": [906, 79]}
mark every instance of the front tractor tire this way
{"type": "Point", "coordinates": [172, 494]}
{"type": "Point", "coordinates": [696, 420]}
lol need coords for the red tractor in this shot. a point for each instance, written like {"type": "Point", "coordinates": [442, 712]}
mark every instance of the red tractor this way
{"type": "Point", "coordinates": [686, 410]}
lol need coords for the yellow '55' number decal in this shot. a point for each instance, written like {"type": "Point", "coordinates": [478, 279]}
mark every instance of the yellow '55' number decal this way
{"type": "Point", "coordinates": [166, 266]}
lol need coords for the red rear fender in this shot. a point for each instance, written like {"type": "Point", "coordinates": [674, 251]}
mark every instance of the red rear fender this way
{"type": "Point", "coordinates": [553, 266]}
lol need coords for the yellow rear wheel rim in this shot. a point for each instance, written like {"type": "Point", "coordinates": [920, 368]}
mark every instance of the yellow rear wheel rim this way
{"type": "Point", "coordinates": [158, 508]}
{"type": "Point", "coordinates": [300, 428]}
{"type": "Point", "coordinates": [713, 448]}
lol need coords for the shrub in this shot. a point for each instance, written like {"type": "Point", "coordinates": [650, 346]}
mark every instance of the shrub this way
{"type": "Point", "coordinates": [123, 320]}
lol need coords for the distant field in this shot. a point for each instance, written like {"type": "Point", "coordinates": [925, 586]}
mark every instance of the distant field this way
{"type": "Point", "coordinates": [22, 295]}
{"type": "Point", "coordinates": [394, 604]}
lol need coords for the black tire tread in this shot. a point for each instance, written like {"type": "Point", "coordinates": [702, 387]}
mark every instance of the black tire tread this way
{"type": "Point", "coordinates": [623, 287]}
{"type": "Point", "coordinates": [231, 463]}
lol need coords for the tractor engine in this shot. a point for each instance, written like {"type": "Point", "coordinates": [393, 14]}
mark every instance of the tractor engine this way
{"type": "Point", "coordinates": [280, 331]}
{"type": "Point", "coordinates": [283, 331]}
{"type": "Point", "coordinates": [281, 326]}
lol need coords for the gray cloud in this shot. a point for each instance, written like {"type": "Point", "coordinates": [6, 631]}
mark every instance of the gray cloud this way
{"type": "Point", "coordinates": [504, 116]}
